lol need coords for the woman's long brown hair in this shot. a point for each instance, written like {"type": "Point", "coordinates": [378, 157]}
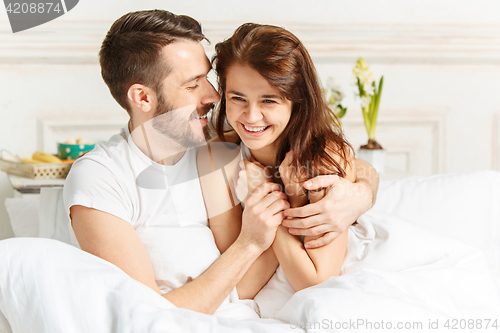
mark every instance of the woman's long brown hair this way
{"type": "Point", "coordinates": [284, 62]}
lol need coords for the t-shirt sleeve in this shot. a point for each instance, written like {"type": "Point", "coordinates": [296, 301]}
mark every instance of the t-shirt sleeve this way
{"type": "Point", "coordinates": [93, 185]}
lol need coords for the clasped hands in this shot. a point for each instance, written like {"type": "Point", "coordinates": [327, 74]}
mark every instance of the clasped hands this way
{"type": "Point", "coordinates": [267, 205]}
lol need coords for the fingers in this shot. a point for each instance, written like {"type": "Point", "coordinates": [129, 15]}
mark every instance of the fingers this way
{"type": "Point", "coordinates": [299, 223]}
{"type": "Point", "coordinates": [284, 167]}
{"type": "Point", "coordinates": [263, 214]}
{"type": "Point", "coordinates": [316, 195]}
{"type": "Point", "coordinates": [270, 205]}
{"type": "Point", "coordinates": [320, 182]}
{"type": "Point", "coordinates": [253, 163]}
{"type": "Point", "coordinates": [259, 228]}
{"type": "Point", "coordinates": [256, 173]}
{"type": "Point", "coordinates": [242, 186]}
{"type": "Point", "coordinates": [261, 191]}
{"type": "Point", "coordinates": [270, 199]}
{"type": "Point", "coordinates": [288, 158]}
{"type": "Point", "coordinates": [278, 206]}
{"type": "Point", "coordinates": [314, 231]}
{"type": "Point", "coordinates": [305, 211]}
{"type": "Point", "coordinates": [322, 241]}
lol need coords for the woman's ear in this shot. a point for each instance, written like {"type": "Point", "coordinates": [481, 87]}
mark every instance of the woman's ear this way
{"type": "Point", "coordinates": [141, 97]}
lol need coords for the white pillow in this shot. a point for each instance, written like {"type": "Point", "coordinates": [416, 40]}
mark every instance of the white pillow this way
{"type": "Point", "coordinates": [54, 221]}
{"type": "Point", "coordinates": [465, 207]}
{"type": "Point", "coordinates": [23, 215]}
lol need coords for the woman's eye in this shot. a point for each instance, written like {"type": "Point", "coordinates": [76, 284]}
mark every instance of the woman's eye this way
{"type": "Point", "coordinates": [269, 101]}
{"type": "Point", "coordinates": [236, 98]}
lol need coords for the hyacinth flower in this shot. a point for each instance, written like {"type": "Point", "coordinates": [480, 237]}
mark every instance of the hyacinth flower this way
{"type": "Point", "coordinates": [334, 97]}
{"type": "Point", "coordinates": [369, 94]}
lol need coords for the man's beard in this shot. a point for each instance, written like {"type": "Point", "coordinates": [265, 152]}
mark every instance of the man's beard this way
{"type": "Point", "coordinates": [169, 123]}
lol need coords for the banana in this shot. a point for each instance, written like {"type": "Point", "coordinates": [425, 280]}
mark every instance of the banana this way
{"type": "Point", "coordinates": [30, 161]}
{"type": "Point", "coordinates": [45, 158]}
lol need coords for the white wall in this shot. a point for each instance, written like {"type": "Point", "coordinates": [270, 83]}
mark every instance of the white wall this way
{"type": "Point", "coordinates": [440, 110]}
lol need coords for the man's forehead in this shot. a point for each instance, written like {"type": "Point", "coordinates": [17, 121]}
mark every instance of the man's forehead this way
{"type": "Point", "coordinates": [186, 59]}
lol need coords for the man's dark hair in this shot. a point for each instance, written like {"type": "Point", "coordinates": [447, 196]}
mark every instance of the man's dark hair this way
{"type": "Point", "coordinates": [130, 52]}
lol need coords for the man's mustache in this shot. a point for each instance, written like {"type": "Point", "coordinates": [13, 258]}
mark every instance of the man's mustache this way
{"type": "Point", "coordinates": [205, 109]}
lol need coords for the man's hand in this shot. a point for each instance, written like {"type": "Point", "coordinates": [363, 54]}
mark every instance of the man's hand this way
{"type": "Point", "coordinates": [342, 204]}
{"type": "Point", "coordinates": [262, 215]}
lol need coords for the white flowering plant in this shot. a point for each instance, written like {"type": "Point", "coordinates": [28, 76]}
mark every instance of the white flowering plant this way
{"type": "Point", "coordinates": [369, 94]}
{"type": "Point", "coordinates": [334, 97]}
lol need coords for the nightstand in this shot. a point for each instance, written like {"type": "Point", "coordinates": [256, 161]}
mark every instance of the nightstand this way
{"type": "Point", "coordinates": [29, 187]}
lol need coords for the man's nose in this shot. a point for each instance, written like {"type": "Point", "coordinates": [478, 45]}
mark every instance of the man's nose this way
{"type": "Point", "coordinates": [210, 95]}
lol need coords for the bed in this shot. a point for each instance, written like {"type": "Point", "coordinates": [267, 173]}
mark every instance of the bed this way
{"type": "Point", "coordinates": [428, 260]}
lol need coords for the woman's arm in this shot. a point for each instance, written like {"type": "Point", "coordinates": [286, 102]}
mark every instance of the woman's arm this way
{"type": "Point", "coordinates": [225, 217]}
{"type": "Point", "coordinates": [307, 267]}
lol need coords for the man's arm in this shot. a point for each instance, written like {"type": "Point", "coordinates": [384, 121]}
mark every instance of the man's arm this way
{"type": "Point", "coordinates": [367, 175]}
{"type": "Point", "coordinates": [341, 206]}
{"type": "Point", "coordinates": [116, 241]}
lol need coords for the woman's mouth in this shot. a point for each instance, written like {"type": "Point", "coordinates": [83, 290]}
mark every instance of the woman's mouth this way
{"type": "Point", "coordinates": [255, 129]}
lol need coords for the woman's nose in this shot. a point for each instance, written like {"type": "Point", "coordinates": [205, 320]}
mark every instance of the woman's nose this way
{"type": "Point", "coordinates": [253, 114]}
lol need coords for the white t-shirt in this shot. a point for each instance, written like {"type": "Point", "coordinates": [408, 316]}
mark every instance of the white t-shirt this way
{"type": "Point", "coordinates": [169, 216]}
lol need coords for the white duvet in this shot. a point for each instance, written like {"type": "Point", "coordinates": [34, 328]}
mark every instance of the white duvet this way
{"type": "Point", "coordinates": [395, 272]}
{"type": "Point", "coordinates": [398, 276]}
{"type": "Point", "coordinates": [49, 286]}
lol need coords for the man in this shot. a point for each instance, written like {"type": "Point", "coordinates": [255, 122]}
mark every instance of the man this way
{"type": "Point", "coordinates": [155, 67]}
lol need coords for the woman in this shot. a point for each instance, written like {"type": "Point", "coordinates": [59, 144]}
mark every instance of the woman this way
{"type": "Point", "coordinates": [271, 99]}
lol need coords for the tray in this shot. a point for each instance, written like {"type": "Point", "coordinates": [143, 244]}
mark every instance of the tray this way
{"type": "Point", "coordinates": [35, 171]}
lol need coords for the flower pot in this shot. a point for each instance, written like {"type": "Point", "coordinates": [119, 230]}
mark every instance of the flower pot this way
{"type": "Point", "coordinates": [376, 157]}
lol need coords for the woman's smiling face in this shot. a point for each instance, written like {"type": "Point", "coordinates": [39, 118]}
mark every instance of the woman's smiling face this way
{"type": "Point", "coordinates": [256, 110]}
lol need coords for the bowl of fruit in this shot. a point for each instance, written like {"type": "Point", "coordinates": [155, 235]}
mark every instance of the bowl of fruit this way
{"type": "Point", "coordinates": [72, 149]}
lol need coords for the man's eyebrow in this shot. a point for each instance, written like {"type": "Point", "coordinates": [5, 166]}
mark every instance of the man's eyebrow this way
{"type": "Point", "coordinates": [192, 78]}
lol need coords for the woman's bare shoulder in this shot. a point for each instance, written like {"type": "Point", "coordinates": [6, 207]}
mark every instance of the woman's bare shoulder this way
{"type": "Point", "coordinates": [349, 162]}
